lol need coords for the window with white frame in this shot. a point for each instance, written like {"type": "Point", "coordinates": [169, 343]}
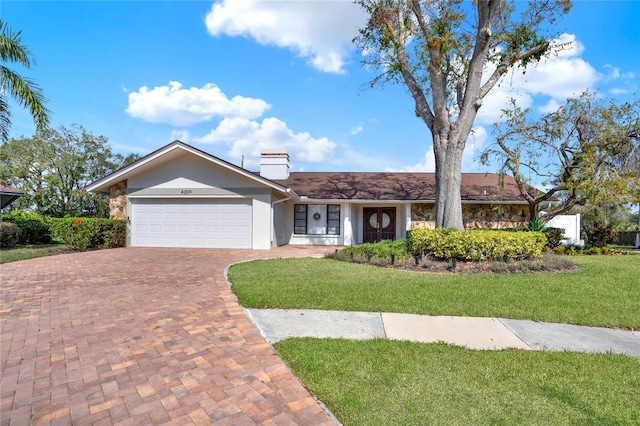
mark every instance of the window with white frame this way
{"type": "Point", "coordinates": [316, 219]}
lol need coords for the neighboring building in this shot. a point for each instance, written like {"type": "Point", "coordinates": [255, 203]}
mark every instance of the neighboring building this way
{"type": "Point", "coordinates": [8, 195]}
{"type": "Point", "coordinates": [571, 226]}
{"type": "Point", "coordinates": [180, 196]}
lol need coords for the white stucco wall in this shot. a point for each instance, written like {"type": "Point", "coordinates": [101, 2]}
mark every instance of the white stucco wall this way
{"type": "Point", "coordinates": [189, 171]}
{"type": "Point", "coordinates": [571, 226]}
{"type": "Point", "coordinates": [280, 229]}
{"type": "Point", "coordinates": [262, 222]}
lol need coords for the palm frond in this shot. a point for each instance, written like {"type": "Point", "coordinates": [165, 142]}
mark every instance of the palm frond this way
{"type": "Point", "coordinates": [11, 47]}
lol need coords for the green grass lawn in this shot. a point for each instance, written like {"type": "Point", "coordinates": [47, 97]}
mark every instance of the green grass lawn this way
{"type": "Point", "coordinates": [405, 383]}
{"type": "Point", "coordinates": [605, 291]}
{"type": "Point", "coordinates": [31, 251]}
{"type": "Point", "coordinates": [381, 382]}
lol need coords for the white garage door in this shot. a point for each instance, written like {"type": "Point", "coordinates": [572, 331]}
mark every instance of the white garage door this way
{"type": "Point", "coordinates": [191, 223]}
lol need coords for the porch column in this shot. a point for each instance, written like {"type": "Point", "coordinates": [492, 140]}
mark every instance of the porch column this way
{"type": "Point", "coordinates": [347, 225]}
{"type": "Point", "coordinates": [407, 215]}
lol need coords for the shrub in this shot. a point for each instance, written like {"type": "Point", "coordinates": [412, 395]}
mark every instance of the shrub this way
{"type": "Point", "coordinates": [600, 236]}
{"type": "Point", "coordinates": [536, 225]}
{"type": "Point", "coordinates": [499, 267]}
{"type": "Point", "coordinates": [89, 233]}
{"type": "Point", "coordinates": [79, 234]}
{"type": "Point", "coordinates": [10, 234]}
{"type": "Point", "coordinates": [593, 251]}
{"type": "Point", "coordinates": [554, 236]}
{"type": "Point", "coordinates": [475, 245]}
{"type": "Point", "coordinates": [380, 250]}
{"type": "Point", "coordinates": [114, 233]}
{"type": "Point", "coordinates": [35, 231]}
{"type": "Point", "coordinates": [571, 249]}
{"type": "Point", "coordinates": [35, 226]}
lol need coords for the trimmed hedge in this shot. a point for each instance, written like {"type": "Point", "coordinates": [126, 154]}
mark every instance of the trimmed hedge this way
{"type": "Point", "coordinates": [554, 235]}
{"type": "Point", "coordinates": [35, 227]}
{"type": "Point", "coordinates": [80, 233]}
{"type": "Point", "coordinates": [472, 245]}
{"type": "Point", "coordinates": [83, 233]}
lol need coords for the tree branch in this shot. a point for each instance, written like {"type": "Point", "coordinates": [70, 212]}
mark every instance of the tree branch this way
{"type": "Point", "coordinates": [506, 63]}
{"type": "Point", "coordinates": [423, 109]}
{"type": "Point", "coordinates": [472, 97]}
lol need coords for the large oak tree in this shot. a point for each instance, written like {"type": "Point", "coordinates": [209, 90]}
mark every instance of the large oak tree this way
{"type": "Point", "coordinates": [449, 54]}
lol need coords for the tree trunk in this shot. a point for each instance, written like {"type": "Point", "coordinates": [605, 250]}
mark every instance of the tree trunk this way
{"type": "Point", "coordinates": [448, 181]}
{"type": "Point", "coordinates": [533, 211]}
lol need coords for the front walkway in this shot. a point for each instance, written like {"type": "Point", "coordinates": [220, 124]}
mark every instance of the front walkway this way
{"type": "Point", "coordinates": [140, 336]}
{"type": "Point", "coordinates": [470, 332]}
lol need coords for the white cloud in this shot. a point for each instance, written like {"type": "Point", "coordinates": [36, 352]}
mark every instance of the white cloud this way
{"type": "Point", "coordinates": [426, 164]}
{"type": "Point", "coordinates": [176, 105]}
{"type": "Point", "coordinates": [557, 78]}
{"type": "Point", "coordinates": [247, 138]}
{"type": "Point", "coordinates": [550, 106]}
{"type": "Point", "coordinates": [356, 130]}
{"type": "Point", "coordinates": [613, 73]}
{"type": "Point", "coordinates": [238, 128]}
{"type": "Point", "coordinates": [562, 76]}
{"type": "Point", "coordinates": [616, 91]}
{"type": "Point", "coordinates": [497, 100]}
{"type": "Point", "coordinates": [319, 30]}
{"type": "Point", "coordinates": [181, 135]}
{"type": "Point", "coordinates": [476, 143]}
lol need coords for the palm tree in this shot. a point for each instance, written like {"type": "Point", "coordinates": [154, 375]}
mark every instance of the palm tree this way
{"type": "Point", "coordinates": [24, 90]}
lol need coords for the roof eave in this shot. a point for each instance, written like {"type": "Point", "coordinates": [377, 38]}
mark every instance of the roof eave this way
{"type": "Point", "coordinates": [362, 200]}
{"type": "Point", "coordinates": [8, 198]}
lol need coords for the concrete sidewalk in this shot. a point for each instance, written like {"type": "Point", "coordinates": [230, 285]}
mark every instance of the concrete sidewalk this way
{"type": "Point", "coordinates": [471, 332]}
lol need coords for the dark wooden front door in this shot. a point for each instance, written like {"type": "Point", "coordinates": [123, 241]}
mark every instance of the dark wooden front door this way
{"type": "Point", "coordinates": [379, 224]}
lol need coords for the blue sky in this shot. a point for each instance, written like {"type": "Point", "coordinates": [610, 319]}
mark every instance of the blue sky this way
{"type": "Point", "coordinates": [234, 77]}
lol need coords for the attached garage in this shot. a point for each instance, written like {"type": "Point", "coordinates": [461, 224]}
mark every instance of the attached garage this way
{"type": "Point", "coordinates": [191, 223]}
{"type": "Point", "coordinates": [179, 196]}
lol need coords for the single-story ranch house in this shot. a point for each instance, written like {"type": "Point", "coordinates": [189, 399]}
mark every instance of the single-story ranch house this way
{"type": "Point", "coordinates": [180, 196]}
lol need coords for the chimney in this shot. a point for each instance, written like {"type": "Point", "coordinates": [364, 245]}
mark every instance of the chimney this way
{"type": "Point", "coordinates": [274, 164]}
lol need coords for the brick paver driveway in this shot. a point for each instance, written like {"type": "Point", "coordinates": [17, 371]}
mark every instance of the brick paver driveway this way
{"type": "Point", "coordinates": [140, 336]}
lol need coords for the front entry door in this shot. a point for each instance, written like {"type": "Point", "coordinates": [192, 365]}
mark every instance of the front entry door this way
{"type": "Point", "coordinates": [379, 224]}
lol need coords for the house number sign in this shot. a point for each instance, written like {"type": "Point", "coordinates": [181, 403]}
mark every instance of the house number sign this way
{"type": "Point", "coordinates": [185, 192]}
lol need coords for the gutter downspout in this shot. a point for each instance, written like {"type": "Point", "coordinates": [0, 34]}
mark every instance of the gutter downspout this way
{"type": "Point", "coordinates": [273, 225]}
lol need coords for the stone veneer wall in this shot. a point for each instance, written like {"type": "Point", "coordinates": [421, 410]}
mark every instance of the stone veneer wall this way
{"type": "Point", "coordinates": [423, 216]}
{"type": "Point", "coordinates": [118, 201]}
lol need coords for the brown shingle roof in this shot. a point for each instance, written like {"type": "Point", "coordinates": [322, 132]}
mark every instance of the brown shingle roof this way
{"type": "Point", "coordinates": [397, 186]}
{"type": "Point", "coordinates": [5, 188]}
